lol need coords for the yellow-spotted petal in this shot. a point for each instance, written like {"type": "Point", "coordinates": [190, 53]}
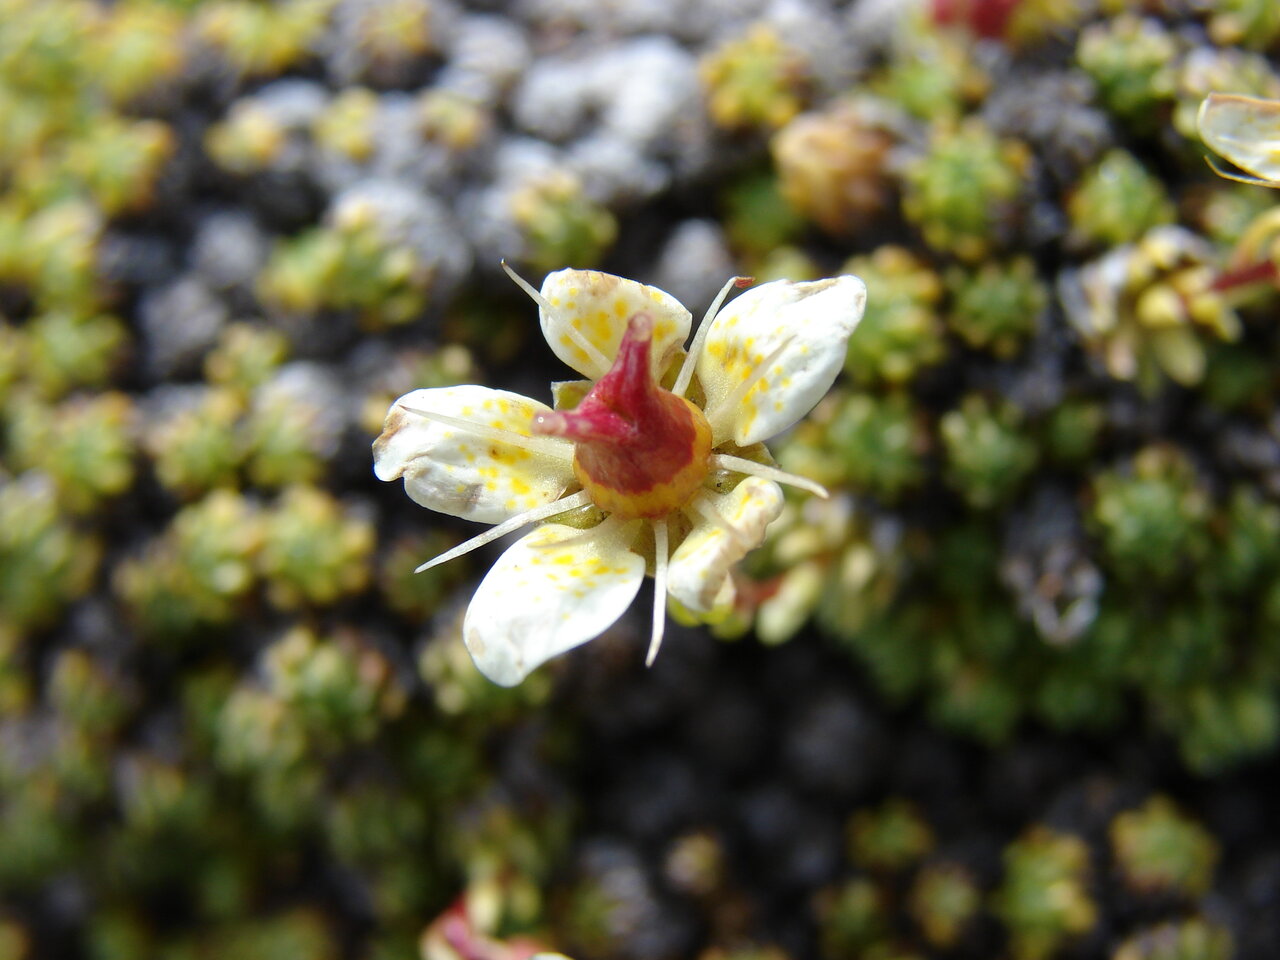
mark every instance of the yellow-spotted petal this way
{"type": "Point", "coordinates": [773, 352]}
{"type": "Point", "coordinates": [554, 589]}
{"type": "Point", "coordinates": [586, 314]}
{"type": "Point", "coordinates": [726, 528]}
{"type": "Point", "coordinates": [1244, 130]}
{"type": "Point", "coordinates": [467, 451]}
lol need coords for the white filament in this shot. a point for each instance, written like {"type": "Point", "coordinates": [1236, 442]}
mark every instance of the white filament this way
{"type": "Point", "coordinates": [660, 564]}
{"type": "Point", "coordinates": [741, 465]}
{"type": "Point", "coordinates": [699, 338]}
{"type": "Point", "coordinates": [571, 502]}
{"type": "Point", "coordinates": [527, 287]}
{"type": "Point", "coordinates": [595, 357]}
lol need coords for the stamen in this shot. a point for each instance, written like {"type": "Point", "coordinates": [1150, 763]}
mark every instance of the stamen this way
{"type": "Point", "coordinates": [596, 358]}
{"type": "Point", "coordinates": [527, 287]}
{"type": "Point", "coordinates": [741, 465]}
{"type": "Point", "coordinates": [660, 563]}
{"type": "Point", "coordinates": [699, 338]}
{"type": "Point", "coordinates": [730, 402]}
{"type": "Point", "coordinates": [550, 446]}
{"type": "Point", "coordinates": [571, 502]}
{"type": "Point", "coordinates": [705, 508]}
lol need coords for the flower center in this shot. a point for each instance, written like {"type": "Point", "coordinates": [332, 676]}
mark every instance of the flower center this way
{"type": "Point", "coordinates": [639, 450]}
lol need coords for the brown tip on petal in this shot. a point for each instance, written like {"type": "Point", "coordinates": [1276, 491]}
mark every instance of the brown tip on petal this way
{"type": "Point", "coordinates": [742, 282]}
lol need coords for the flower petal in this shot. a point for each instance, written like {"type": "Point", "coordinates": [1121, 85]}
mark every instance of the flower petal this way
{"type": "Point", "coordinates": [595, 307]}
{"type": "Point", "coordinates": [1245, 130]}
{"type": "Point", "coordinates": [773, 352]}
{"type": "Point", "coordinates": [553, 589]}
{"type": "Point", "coordinates": [700, 566]}
{"type": "Point", "coordinates": [469, 474]}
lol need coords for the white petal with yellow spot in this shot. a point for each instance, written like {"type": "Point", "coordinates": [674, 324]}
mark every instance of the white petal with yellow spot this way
{"type": "Point", "coordinates": [471, 473]}
{"type": "Point", "coordinates": [552, 590]}
{"type": "Point", "coordinates": [586, 314]}
{"type": "Point", "coordinates": [773, 352]}
{"type": "Point", "coordinates": [700, 566]}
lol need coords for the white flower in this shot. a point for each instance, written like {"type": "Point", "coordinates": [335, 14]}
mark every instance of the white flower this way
{"type": "Point", "coordinates": [631, 476]}
{"type": "Point", "coordinates": [1245, 130]}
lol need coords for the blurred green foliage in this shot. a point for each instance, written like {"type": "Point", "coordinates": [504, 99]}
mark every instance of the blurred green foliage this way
{"type": "Point", "coordinates": [560, 222]}
{"type": "Point", "coordinates": [996, 307]}
{"type": "Point", "coordinates": [1161, 851]}
{"type": "Point", "coordinates": [1044, 899]}
{"type": "Point", "coordinates": [963, 188]}
{"type": "Point", "coordinates": [1131, 61]}
{"type": "Point", "coordinates": [755, 80]}
{"type": "Point", "coordinates": [1117, 201]}
{"type": "Point", "coordinates": [900, 334]}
